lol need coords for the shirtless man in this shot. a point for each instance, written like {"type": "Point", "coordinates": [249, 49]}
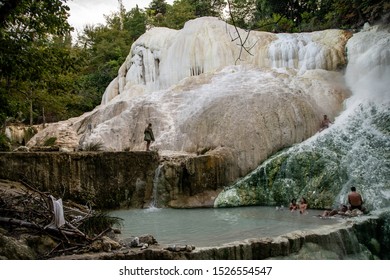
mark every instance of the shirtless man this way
{"type": "Point", "coordinates": [325, 123]}
{"type": "Point", "coordinates": [355, 200]}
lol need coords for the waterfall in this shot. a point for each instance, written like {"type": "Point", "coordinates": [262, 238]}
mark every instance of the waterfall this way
{"type": "Point", "coordinates": [156, 182]}
{"type": "Point", "coordinates": [355, 150]}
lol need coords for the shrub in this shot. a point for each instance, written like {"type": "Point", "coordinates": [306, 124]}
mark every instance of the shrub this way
{"type": "Point", "coordinates": [99, 222]}
{"type": "Point", "coordinates": [50, 141]}
{"type": "Point", "coordinates": [96, 146]}
{"type": "Point", "coordinates": [5, 145]}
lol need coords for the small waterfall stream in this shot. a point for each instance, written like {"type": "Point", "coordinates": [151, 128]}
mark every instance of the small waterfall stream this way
{"type": "Point", "coordinates": [156, 183]}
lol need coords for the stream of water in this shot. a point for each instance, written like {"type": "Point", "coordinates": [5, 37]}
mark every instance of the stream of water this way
{"type": "Point", "coordinates": [212, 226]}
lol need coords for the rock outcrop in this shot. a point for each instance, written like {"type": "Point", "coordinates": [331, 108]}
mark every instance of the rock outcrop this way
{"type": "Point", "coordinates": [109, 180]}
{"type": "Point", "coordinates": [354, 151]}
{"type": "Point", "coordinates": [198, 95]}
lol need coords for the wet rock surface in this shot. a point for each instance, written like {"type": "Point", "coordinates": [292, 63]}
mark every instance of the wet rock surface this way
{"type": "Point", "coordinates": [110, 180]}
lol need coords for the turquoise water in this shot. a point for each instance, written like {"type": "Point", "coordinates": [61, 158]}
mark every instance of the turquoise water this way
{"type": "Point", "coordinates": [215, 226]}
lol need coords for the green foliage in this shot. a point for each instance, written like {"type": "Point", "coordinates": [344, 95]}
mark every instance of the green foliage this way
{"type": "Point", "coordinates": [156, 12]}
{"type": "Point", "coordinates": [207, 8]}
{"type": "Point", "coordinates": [353, 14]}
{"type": "Point", "coordinates": [242, 12]}
{"type": "Point", "coordinates": [29, 133]}
{"type": "Point", "coordinates": [164, 15]}
{"type": "Point", "coordinates": [35, 55]}
{"type": "Point", "coordinates": [50, 141]}
{"type": "Point", "coordinates": [277, 23]}
{"type": "Point", "coordinates": [99, 222]}
{"type": "Point", "coordinates": [135, 23]}
{"type": "Point", "coordinates": [95, 146]}
{"type": "Point", "coordinates": [104, 49]}
{"type": "Point", "coordinates": [177, 15]}
{"type": "Point", "coordinates": [310, 15]}
{"type": "Point", "coordinates": [22, 31]}
{"type": "Point", "coordinates": [5, 145]}
{"type": "Point", "coordinates": [157, 7]}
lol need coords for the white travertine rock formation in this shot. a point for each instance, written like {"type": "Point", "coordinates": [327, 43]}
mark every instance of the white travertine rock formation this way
{"type": "Point", "coordinates": [198, 92]}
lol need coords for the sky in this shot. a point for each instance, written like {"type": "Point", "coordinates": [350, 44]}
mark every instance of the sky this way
{"type": "Point", "coordinates": [83, 12]}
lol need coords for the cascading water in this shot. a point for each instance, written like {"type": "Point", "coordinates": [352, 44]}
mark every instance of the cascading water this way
{"type": "Point", "coordinates": [355, 150]}
{"type": "Point", "coordinates": [156, 182]}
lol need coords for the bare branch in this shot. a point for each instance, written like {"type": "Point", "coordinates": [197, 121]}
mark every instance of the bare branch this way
{"type": "Point", "coordinates": [242, 42]}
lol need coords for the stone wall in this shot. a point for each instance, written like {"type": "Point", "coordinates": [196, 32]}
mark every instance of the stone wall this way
{"type": "Point", "coordinates": [104, 180]}
{"type": "Point", "coordinates": [194, 181]}
{"type": "Point", "coordinates": [110, 180]}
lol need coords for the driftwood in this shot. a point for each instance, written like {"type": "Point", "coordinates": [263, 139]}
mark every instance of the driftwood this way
{"type": "Point", "coordinates": [19, 223]}
{"type": "Point", "coordinates": [34, 211]}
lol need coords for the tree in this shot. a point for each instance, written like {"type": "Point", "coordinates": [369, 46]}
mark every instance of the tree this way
{"type": "Point", "coordinates": [105, 48]}
{"type": "Point", "coordinates": [156, 12]}
{"type": "Point", "coordinates": [157, 7]}
{"type": "Point", "coordinates": [205, 8]}
{"type": "Point", "coordinates": [27, 27]}
{"type": "Point", "coordinates": [181, 11]}
{"type": "Point", "coordinates": [177, 15]}
{"type": "Point", "coordinates": [242, 13]}
{"type": "Point", "coordinates": [135, 23]}
{"type": "Point", "coordinates": [25, 22]}
{"type": "Point", "coordinates": [352, 14]}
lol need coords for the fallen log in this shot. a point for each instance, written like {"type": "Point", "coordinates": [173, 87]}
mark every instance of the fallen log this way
{"type": "Point", "coordinates": [20, 223]}
{"type": "Point", "coordinates": [58, 231]}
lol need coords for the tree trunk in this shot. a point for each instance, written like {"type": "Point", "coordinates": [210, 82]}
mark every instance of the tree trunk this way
{"type": "Point", "coordinates": [31, 112]}
{"type": "Point", "coordinates": [43, 117]}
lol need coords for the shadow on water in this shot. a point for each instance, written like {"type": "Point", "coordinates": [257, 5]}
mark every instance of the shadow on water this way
{"type": "Point", "coordinates": [215, 226]}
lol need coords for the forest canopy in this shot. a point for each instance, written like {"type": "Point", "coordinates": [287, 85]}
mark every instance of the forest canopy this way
{"type": "Point", "coordinates": [47, 76]}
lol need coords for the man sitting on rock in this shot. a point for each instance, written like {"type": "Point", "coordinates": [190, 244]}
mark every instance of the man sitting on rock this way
{"type": "Point", "coordinates": [355, 200]}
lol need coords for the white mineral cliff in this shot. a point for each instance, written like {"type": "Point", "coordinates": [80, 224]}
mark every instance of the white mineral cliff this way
{"type": "Point", "coordinates": [197, 91]}
{"type": "Point", "coordinates": [354, 151]}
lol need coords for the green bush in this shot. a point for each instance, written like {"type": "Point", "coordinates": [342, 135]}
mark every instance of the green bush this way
{"type": "Point", "coordinates": [50, 141]}
{"type": "Point", "coordinates": [99, 222]}
{"type": "Point", "coordinates": [29, 133]}
{"type": "Point", "coordinates": [96, 146]}
{"type": "Point", "coordinates": [5, 145]}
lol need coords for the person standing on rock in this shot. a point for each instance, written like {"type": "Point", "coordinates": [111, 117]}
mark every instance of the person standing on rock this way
{"type": "Point", "coordinates": [148, 136]}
